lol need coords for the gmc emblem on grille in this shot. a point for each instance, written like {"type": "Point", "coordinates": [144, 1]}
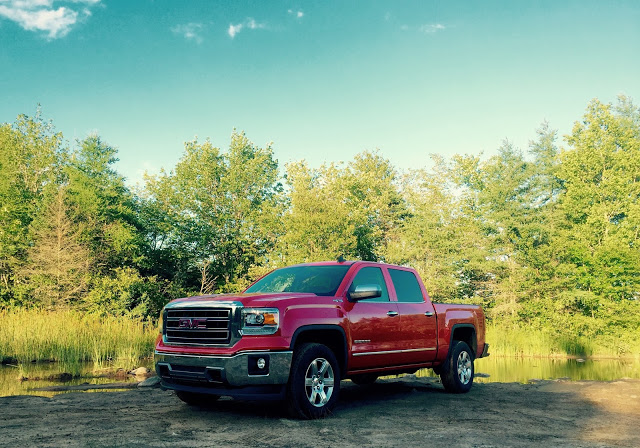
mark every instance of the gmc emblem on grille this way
{"type": "Point", "coordinates": [192, 323]}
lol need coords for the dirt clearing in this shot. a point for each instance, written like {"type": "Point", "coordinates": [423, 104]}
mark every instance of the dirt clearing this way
{"type": "Point", "coordinates": [400, 412]}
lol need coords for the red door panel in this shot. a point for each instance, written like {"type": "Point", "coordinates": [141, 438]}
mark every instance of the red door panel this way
{"type": "Point", "coordinates": [374, 334]}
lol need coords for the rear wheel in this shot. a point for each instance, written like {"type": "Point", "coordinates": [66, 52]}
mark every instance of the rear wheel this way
{"type": "Point", "coordinates": [314, 383]}
{"type": "Point", "coordinates": [193, 399]}
{"type": "Point", "coordinates": [457, 374]}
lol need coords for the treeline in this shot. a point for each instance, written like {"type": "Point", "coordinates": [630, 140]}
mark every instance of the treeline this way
{"type": "Point", "coordinates": [547, 240]}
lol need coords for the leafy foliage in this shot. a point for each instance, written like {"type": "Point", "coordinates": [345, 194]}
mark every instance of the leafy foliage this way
{"type": "Point", "coordinates": [545, 239]}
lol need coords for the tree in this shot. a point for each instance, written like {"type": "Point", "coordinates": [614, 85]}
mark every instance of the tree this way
{"type": "Point", "coordinates": [600, 207]}
{"type": "Point", "coordinates": [216, 214]}
{"type": "Point", "coordinates": [104, 205]}
{"type": "Point", "coordinates": [57, 270]}
{"type": "Point", "coordinates": [336, 210]}
{"type": "Point", "coordinates": [30, 160]}
{"type": "Point", "coordinates": [318, 225]}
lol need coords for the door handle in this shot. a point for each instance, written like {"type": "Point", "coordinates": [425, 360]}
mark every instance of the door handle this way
{"type": "Point", "coordinates": [429, 313]}
{"type": "Point", "coordinates": [392, 313]}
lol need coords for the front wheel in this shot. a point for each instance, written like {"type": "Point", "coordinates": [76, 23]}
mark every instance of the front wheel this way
{"type": "Point", "coordinates": [457, 374]}
{"type": "Point", "coordinates": [314, 383]}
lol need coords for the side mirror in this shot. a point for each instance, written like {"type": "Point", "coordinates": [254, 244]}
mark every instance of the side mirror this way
{"type": "Point", "coordinates": [365, 292]}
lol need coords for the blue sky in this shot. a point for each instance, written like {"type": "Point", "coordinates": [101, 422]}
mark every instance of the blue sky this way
{"type": "Point", "coordinates": [323, 80]}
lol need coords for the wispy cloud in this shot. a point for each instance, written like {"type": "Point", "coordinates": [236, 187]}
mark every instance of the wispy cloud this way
{"type": "Point", "coordinates": [190, 31]}
{"type": "Point", "coordinates": [297, 14]}
{"type": "Point", "coordinates": [250, 24]}
{"type": "Point", "coordinates": [432, 28]}
{"type": "Point", "coordinates": [42, 16]}
{"type": "Point", "coordinates": [234, 29]}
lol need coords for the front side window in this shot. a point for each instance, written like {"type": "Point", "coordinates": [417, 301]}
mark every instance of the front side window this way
{"type": "Point", "coordinates": [319, 280]}
{"type": "Point", "coordinates": [406, 286]}
{"type": "Point", "coordinates": [371, 276]}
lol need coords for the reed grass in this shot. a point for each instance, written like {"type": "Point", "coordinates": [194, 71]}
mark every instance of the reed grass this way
{"type": "Point", "coordinates": [73, 338]}
{"type": "Point", "coordinates": [518, 341]}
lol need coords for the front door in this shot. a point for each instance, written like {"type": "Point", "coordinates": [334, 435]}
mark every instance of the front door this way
{"type": "Point", "coordinates": [374, 325]}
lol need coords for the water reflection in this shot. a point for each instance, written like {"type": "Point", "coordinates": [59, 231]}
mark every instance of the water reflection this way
{"type": "Point", "coordinates": [522, 370]}
{"type": "Point", "coordinates": [488, 370]}
{"type": "Point", "coordinates": [10, 383]}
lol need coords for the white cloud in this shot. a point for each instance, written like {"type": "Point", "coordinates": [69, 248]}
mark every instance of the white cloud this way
{"type": "Point", "coordinates": [432, 28]}
{"type": "Point", "coordinates": [252, 24]}
{"type": "Point", "coordinates": [297, 14]}
{"type": "Point", "coordinates": [249, 23]}
{"type": "Point", "coordinates": [234, 29]}
{"type": "Point", "coordinates": [41, 16]}
{"type": "Point", "coordinates": [190, 31]}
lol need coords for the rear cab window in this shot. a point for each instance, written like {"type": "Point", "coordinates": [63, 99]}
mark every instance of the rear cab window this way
{"type": "Point", "coordinates": [406, 285]}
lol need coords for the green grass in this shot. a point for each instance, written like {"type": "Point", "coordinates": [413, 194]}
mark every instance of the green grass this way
{"type": "Point", "coordinates": [73, 338]}
{"type": "Point", "coordinates": [518, 341]}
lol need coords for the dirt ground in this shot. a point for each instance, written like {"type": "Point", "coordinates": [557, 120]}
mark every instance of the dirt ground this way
{"type": "Point", "coordinates": [400, 412]}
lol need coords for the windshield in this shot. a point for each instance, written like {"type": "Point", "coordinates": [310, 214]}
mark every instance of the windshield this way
{"type": "Point", "coordinates": [319, 280]}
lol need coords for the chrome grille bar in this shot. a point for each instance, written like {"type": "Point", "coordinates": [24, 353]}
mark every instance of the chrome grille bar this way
{"type": "Point", "coordinates": [198, 326]}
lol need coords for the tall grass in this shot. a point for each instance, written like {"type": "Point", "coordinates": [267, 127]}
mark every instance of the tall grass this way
{"type": "Point", "coordinates": [71, 337]}
{"type": "Point", "coordinates": [512, 341]}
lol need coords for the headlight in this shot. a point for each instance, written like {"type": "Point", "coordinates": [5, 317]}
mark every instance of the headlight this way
{"type": "Point", "coordinates": [259, 321]}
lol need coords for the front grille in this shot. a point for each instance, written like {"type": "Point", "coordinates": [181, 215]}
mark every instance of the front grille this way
{"type": "Point", "coordinates": [198, 326]}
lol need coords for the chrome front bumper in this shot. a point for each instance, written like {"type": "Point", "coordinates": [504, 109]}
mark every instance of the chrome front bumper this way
{"type": "Point", "coordinates": [239, 370]}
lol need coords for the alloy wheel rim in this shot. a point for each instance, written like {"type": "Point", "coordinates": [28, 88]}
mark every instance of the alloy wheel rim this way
{"type": "Point", "coordinates": [464, 367]}
{"type": "Point", "coordinates": [319, 382]}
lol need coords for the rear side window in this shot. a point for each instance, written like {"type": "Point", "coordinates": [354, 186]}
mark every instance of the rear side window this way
{"type": "Point", "coordinates": [371, 276]}
{"type": "Point", "coordinates": [406, 285]}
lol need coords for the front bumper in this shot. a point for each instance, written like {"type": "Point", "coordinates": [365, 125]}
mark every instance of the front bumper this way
{"type": "Point", "coordinates": [224, 375]}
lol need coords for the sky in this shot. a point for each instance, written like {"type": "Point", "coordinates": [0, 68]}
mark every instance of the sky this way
{"type": "Point", "coordinates": [323, 80]}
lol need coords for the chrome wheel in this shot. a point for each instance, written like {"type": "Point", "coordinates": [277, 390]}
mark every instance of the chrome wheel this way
{"type": "Point", "coordinates": [319, 382]}
{"type": "Point", "coordinates": [464, 367]}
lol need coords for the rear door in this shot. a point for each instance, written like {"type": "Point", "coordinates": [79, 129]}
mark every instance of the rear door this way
{"type": "Point", "coordinates": [418, 334]}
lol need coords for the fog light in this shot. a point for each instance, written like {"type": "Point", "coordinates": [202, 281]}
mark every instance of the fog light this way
{"type": "Point", "coordinates": [258, 365]}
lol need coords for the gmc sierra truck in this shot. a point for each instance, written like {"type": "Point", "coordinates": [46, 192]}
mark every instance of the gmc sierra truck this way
{"type": "Point", "coordinates": [298, 331]}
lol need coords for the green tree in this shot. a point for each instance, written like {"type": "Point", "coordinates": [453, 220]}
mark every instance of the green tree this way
{"type": "Point", "coordinates": [30, 158]}
{"type": "Point", "coordinates": [318, 225]}
{"type": "Point", "coordinates": [104, 206]}
{"type": "Point", "coordinates": [600, 206]}
{"type": "Point", "coordinates": [334, 210]}
{"type": "Point", "coordinates": [217, 214]}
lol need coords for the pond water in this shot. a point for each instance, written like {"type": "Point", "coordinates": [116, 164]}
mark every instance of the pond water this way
{"type": "Point", "coordinates": [522, 370]}
{"type": "Point", "coordinates": [40, 374]}
{"type": "Point", "coordinates": [491, 369]}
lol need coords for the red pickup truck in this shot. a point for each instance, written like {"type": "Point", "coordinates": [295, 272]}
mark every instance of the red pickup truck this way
{"type": "Point", "coordinates": [298, 331]}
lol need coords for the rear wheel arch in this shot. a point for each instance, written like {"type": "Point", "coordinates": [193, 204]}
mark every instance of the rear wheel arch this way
{"type": "Point", "coordinates": [459, 333]}
{"type": "Point", "coordinates": [465, 333]}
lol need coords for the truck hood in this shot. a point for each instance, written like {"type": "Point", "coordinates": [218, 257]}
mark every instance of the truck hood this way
{"type": "Point", "coordinates": [276, 299]}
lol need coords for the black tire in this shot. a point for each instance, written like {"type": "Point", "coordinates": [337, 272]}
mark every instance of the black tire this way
{"type": "Point", "coordinates": [457, 374]}
{"type": "Point", "coordinates": [314, 382]}
{"type": "Point", "coordinates": [364, 379]}
{"type": "Point", "coordinates": [193, 399]}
